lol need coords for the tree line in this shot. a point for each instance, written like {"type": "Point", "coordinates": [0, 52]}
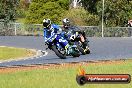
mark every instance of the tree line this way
{"type": "Point", "coordinates": [116, 12]}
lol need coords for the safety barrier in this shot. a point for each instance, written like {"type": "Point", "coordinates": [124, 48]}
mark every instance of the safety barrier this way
{"type": "Point", "coordinates": [37, 30]}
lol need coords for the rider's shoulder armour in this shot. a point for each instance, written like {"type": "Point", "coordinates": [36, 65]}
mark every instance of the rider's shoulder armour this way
{"type": "Point", "coordinates": [55, 26]}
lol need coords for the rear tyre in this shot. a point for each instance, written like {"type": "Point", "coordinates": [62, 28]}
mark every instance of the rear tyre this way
{"type": "Point", "coordinates": [58, 53]}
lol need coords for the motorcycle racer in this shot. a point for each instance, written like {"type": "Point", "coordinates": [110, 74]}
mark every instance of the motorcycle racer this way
{"type": "Point", "coordinates": [51, 30]}
{"type": "Point", "coordinates": [69, 29]}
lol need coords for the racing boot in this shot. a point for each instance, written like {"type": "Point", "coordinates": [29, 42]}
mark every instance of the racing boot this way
{"type": "Point", "coordinates": [86, 47]}
{"type": "Point", "coordinates": [85, 43]}
{"type": "Point", "coordinates": [68, 49]}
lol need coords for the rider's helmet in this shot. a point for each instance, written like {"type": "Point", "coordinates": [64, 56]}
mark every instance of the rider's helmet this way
{"type": "Point", "coordinates": [47, 23]}
{"type": "Point", "coordinates": [66, 23]}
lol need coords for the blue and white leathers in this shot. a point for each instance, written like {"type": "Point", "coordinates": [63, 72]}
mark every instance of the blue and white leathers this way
{"type": "Point", "coordinates": [54, 32]}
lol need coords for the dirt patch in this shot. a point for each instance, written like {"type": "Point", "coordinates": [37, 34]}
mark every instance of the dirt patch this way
{"type": "Point", "coordinates": [13, 69]}
{"type": "Point", "coordinates": [30, 53]}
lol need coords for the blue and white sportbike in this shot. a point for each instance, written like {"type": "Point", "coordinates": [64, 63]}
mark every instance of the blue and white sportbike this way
{"type": "Point", "coordinates": [61, 47]}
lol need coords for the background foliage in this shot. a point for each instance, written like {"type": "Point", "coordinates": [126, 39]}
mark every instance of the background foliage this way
{"type": "Point", "coordinates": [80, 16]}
{"type": "Point", "coordinates": [116, 12]}
{"type": "Point", "coordinates": [40, 9]}
{"type": "Point", "coordinates": [8, 10]}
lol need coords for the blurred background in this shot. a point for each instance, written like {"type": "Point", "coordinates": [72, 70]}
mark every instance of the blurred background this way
{"type": "Point", "coordinates": [99, 18]}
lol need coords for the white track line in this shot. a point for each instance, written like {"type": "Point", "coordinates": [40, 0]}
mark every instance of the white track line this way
{"type": "Point", "coordinates": [38, 55]}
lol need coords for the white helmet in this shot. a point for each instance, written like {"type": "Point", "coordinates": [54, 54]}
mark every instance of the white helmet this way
{"type": "Point", "coordinates": [66, 22]}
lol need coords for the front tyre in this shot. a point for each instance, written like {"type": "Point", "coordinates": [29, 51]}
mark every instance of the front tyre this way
{"type": "Point", "coordinates": [58, 53]}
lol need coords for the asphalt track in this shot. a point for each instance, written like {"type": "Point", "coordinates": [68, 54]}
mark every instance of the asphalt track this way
{"type": "Point", "coordinates": [108, 48]}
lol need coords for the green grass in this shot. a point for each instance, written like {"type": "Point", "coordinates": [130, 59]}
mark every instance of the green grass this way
{"type": "Point", "coordinates": [64, 77]}
{"type": "Point", "coordinates": [13, 53]}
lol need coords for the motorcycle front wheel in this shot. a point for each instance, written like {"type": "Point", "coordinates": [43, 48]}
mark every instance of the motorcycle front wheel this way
{"type": "Point", "coordinates": [58, 53]}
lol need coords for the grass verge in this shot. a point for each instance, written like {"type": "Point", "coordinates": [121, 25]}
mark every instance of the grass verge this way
{"type": "Point", "coordinates": [62, 76]}
{"type": "Point", "coordinates": [14, 53]}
